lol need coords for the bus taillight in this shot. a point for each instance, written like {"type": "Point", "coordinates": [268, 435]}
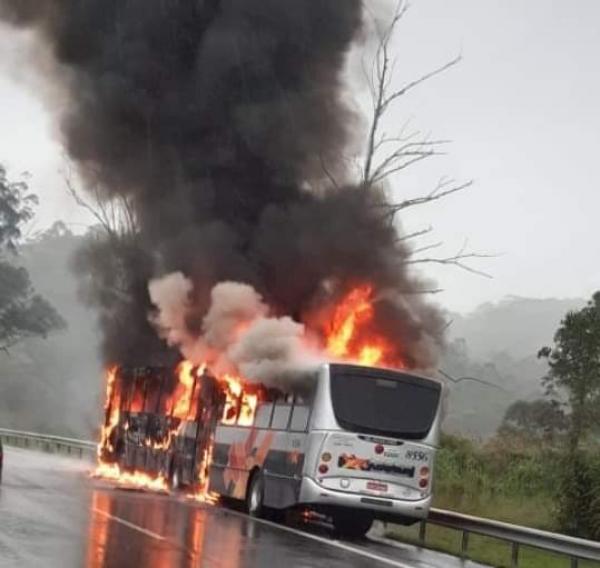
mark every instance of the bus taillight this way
{"type": "Point", "coordinates": [323, 468]}
{"type": "Point", "coordinates": [424, 475]}
{"type": "Point", "coordinates": [379, 449]}
{"type": "Point", "coordinates": [326, 457]}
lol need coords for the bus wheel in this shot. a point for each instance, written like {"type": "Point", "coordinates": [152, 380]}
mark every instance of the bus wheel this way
{"type": "Point", "coordinates": [255, 496]}
{"type": "Point", "coordinates": [352, 524]}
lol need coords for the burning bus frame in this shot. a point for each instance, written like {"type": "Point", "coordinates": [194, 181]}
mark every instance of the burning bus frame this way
{"type": "Point", "coordinates": [160, 422]}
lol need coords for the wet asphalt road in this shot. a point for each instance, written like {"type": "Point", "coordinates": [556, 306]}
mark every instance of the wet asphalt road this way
{"type": "Point", "coordinates": [53, 515]}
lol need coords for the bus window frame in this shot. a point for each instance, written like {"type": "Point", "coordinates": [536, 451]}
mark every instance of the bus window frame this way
{"type": "Point", "coordinates": [269, 422]}
{"type": "Point", "coordinates": [282, 402]}
{"type": "Point", "coordinates": [310, 410]}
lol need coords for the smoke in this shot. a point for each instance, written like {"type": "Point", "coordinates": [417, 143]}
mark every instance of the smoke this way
{"type": "Point", "coordinates": [238, 335]}
{"type": "Point", "coordinates": [274, 352]}
{"type": "Point", "coordinates": [171, 294]}
{"type": "Point", "coordinates": [234, 307]}
{"type": "Point", "coordinates": [221, 123]}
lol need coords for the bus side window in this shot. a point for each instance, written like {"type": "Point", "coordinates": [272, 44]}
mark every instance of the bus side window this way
{"type": "Point", "coordinates": [263, 415]}
{"type": "Point", "coordinates": [281, 416]}
{"type": "Point", "coordinates": [300, 416]}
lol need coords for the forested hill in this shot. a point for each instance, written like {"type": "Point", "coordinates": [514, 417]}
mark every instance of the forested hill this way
{"type": "Point", "coordinates": [517, 326]}
{"type": "Point", "coordinates": [498, 342]}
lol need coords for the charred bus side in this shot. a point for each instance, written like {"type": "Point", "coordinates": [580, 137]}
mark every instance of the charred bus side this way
{"type": "Point", "coordinates": [156, 430]}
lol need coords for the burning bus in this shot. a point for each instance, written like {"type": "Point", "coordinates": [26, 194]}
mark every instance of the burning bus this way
{"type": "Point", "coordinates": [352, 439]}
{"type": "Point", "coordinates": [357, 445]}
{"type": "Point", "coordinates": [159, 424]}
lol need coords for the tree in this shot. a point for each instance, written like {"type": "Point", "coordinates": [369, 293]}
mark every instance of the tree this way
{"type": "Point", "coordinates": [23, 313]}
{"type": "Point", "coordinates": [387, 153]}
{"type": "Point", "coordinates": [536, 419]}
{"type": "Point", "coordinates": [574, 370]}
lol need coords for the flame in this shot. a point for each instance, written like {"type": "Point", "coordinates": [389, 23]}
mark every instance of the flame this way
{"type": "Point", "coordinates": [240, 405]}
{"type": "Point", "coordinates": [187, 374]}
{"type": "Point", "coordinates": [348, 336]}
{"type": "Point", "coordinates": [354, 310]}
{"type": "Point", "coordinates": [137, 479]}
{"type": "Point", "coordinates": [111, 410]}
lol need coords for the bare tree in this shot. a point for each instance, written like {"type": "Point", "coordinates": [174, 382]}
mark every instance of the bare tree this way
{"type": "Point", "coordinates": [116, 217]}
{"type": "Point", "coordinates": [386, 154]}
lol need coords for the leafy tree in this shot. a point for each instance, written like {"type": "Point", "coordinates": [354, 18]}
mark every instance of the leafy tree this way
{"type": "Point", "coordinates": [537, 419]}
{"type": "Point", "coordinates": [574, 369]}
{"type": "Point", "coordinates": [23, 313]}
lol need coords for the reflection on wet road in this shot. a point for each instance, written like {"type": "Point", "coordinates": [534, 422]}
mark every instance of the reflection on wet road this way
{"type": "Point", "coordinates": [53, 515]}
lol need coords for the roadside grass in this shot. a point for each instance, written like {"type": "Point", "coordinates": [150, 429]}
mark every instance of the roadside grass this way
{"type": "Point", "coordinates": [499, 480]}
{"type": "Point", "coordinates": [482, 549]}
{"type": "Point", "coordinates": [536, 511]}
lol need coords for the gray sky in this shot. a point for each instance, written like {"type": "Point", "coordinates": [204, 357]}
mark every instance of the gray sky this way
{"type": "Point", "coordinates": [522, 109]}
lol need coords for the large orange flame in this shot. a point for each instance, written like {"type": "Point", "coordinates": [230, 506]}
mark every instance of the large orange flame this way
{"type": "Point", "coordinates": [348, 334]}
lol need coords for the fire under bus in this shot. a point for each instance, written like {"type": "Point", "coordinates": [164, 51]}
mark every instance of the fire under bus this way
{"type": "Point", "coordinates": [358, 445]}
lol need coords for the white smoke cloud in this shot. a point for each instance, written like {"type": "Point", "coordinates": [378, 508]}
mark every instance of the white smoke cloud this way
{"type": "Point", "coordinates": [234, 306]}
{"type": "Point", "coordinates": [170, 294]}
{"type": "Point", "coordinates": [238, 335]}
{"type": "Point", "coordinates": [274, 351]}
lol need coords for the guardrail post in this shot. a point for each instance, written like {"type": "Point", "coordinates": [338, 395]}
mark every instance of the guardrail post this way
{"type": "Point", "coordinates": [574, 562]}
{"type": "Point", "coordinates": [422, 532]}
{"type": "Point", "coordinates": [464, 544]}
{"type": "Point", "coordinates": [515, 555]}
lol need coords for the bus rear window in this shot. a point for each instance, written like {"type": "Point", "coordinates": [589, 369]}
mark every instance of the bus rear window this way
{"type": "Point", "coordinates": [388, 403]}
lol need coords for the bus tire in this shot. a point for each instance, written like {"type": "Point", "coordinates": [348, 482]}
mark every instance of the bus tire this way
{"type": "Point", "coordinates": [353, 524]}
{"type": "Point", "coordinates": [255, 495]}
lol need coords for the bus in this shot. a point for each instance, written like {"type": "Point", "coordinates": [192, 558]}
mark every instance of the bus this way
{"type": "Point", "coordinates": [358, 445]}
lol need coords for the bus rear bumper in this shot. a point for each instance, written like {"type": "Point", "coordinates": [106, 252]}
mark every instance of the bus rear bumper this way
{"type": "Point", "coordinates": [313, 494]}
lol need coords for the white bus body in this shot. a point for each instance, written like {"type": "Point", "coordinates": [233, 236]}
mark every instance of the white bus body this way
{"type": "Point", "coordinates": [361, 446]}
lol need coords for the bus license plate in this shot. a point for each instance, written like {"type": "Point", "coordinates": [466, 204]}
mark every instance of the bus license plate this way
{"type": "Point", "coordinates": [376, 486]}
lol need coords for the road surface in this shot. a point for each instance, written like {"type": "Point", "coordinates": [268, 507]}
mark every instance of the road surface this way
{"type": "Point", "coordinates": [53, 515]}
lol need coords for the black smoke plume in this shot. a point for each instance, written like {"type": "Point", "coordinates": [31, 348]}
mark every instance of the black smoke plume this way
{"type": "Point", "coordinates": [222, 121]}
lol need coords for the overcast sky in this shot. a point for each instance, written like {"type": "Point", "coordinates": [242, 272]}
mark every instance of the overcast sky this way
{"type": "Point", "coordinates": [521, 109]}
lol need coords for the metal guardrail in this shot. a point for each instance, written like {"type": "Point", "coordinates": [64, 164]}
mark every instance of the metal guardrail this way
{"type": "Point", "coordinates": [574, 548]}
{"type": "Point", "coordinates": [48, 443]}
{"type": "Point", "coordinates": [517, 536]}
